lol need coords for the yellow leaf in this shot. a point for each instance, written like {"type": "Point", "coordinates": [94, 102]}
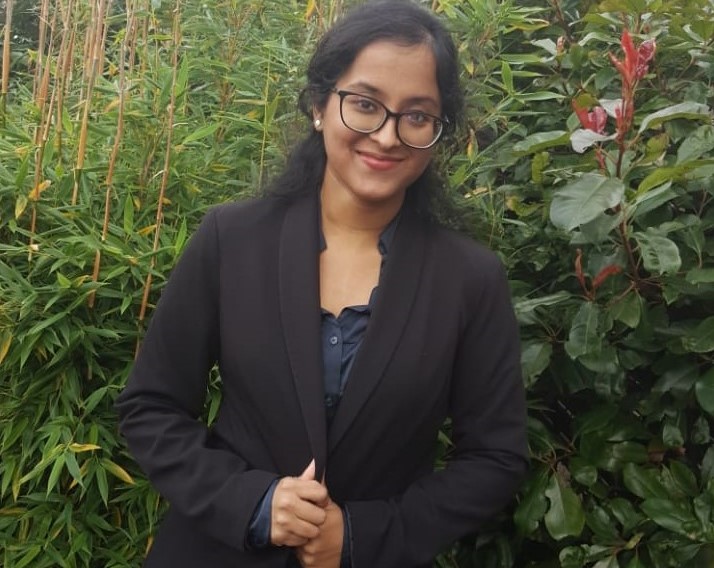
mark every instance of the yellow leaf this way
{"type": "Point", "coordinates": [77, 448]}
{"type": "Point", "coordinates": [310, 10]}
{"type": "Point", "coordinates": [469, 67]}
{"type": "Point", "coordinates": [20, 206]}
{"type": "Point", "coordinates": [39, 188]}
{"type": "Point", "coordinates": [5, 345]}
{"type": "Point", "coordinates": [82, 471]}
{"type": "Point", "coordinates": [12, 511]}
{"type": "Point", "coordinates": [117, 471]}
{"type": "Point", "coordinates": [146, 230]}
{"type": "Point", "coordinates": [166, 201]}
{"type": "Point", "coordinates": [112, 105]}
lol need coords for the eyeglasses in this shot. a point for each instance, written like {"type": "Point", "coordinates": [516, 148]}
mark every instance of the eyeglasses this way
{"type": "Point", "coordinates": [365, 115]}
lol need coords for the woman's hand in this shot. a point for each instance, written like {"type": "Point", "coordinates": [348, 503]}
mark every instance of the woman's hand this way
{"type": "Point", "coordinates": [325, 550]}
{"type": "Point", "coordinates": [298, 509]}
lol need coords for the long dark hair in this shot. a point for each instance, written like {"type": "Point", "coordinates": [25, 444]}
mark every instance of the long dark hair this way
{"type": "Point", "coordinates": [400, 21]}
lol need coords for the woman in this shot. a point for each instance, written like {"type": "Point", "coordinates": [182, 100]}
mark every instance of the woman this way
{"type": "Point", "coordinates": [347, 326]}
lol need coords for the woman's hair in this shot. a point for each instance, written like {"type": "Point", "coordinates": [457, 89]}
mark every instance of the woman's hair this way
{"type": "Point", "coordinates": [399, 21]}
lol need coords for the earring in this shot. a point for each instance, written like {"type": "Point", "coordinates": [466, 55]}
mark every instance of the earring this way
{"type": "Point", "coordinates": [318, 124]}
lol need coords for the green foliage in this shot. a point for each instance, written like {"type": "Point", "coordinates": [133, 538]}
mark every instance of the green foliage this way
{"type": "Point", "coordinates": [606, 235]}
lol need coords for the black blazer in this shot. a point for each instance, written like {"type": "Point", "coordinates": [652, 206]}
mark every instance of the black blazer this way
{"type": "Point", "coordinates": [442, 341]}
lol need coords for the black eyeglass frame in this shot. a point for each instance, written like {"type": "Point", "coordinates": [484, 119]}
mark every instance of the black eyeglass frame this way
{"type": "Point", "coordinates": [441, 121]}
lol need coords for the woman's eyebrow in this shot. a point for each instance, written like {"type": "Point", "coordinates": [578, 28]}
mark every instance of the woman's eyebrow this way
{"type": "Point", "coordinates": [376, 92]}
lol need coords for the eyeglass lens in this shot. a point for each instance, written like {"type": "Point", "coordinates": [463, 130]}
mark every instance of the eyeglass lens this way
{"type": "Point", "coordinates": [366, 115]}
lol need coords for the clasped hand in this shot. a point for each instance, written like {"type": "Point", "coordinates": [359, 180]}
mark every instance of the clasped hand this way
{"type": "Point", "coordinates": [304, 517]}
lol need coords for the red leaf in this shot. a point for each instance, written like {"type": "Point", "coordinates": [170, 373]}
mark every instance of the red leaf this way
{"type": "Point", "coordinates": [598, 119]}
{"type": "Point", "coordinates": [645, 53]}
{"type": "Point", "coordinates": [630, 53]}
{"type": "Point", "coordinates": [582, 114]}
{"type": "Point", "coordinates": [604, 274]}
{"type": "Point", "coordinates": [579, 271]}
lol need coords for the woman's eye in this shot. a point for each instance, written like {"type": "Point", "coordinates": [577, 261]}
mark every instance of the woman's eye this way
{"type": "Point", "coordinates": [418, 118]}
{"type": "Point", "coordinates": [363, 105]}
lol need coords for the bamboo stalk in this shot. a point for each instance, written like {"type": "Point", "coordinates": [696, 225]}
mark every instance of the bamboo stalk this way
{"type": "Point", "coordinates": [167, 161]}
{"type": "Point", "coordinates": [117, 142]}
{"type": "Point", "coordinates": [6, 61]}
{"type": "Point", "coordinates": [44, 10]}
{"type": "Point", "coordinates": [42, 132]}
{"type": "Point", "coordinates": [64, 67]}
{"type": "Point", "coordinates": [96, 49]}
{"type": "Point", "coordinates": [89, 39]}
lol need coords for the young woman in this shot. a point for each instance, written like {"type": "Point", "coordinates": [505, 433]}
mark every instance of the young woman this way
{"type": "Point", "coordinates": [347, 326]}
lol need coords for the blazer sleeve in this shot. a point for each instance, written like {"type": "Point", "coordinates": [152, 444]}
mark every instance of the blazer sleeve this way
{"type": "Point", "coordinates": [489, 459]}
{"type": "Point", "coordinates": [160, 407]}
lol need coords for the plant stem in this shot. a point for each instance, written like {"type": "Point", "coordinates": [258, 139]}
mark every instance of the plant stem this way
{"type": "Point", "coordinates": [117, 144]}
{"type": "Point", "coordinates": [6, 61]}
{"type": "Point", "coordinates": [167, 160]}
{"type": "Point", "coordinates": [96, 48]}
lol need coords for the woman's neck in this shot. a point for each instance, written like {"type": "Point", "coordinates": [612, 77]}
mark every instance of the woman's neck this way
{"type": "Point", "coordinates": [344, 215]}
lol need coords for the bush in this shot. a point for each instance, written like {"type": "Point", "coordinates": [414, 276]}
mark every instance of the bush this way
{"type": "Point", "coordinates": [602, 217]}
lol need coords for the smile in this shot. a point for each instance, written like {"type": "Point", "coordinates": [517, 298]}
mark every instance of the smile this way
{"type": "Point", "coordinates": [378, 162]}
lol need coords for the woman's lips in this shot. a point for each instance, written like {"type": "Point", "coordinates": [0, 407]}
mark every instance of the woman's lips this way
{"type": "Point", "coordinates": [377, 162]}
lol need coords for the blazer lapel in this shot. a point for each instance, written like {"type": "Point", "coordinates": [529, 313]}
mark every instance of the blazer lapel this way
{"type": "Point", "coordinates": [397, 292]}
{"type": "Point", "coordinates": [300, 311]}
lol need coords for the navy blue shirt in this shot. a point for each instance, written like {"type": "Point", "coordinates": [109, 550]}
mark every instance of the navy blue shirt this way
{"type": "Point", "coordinates": [342, 337]}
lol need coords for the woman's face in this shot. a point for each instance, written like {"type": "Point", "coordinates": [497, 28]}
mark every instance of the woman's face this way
{"type": "Point", "coordinates": [376, 169]}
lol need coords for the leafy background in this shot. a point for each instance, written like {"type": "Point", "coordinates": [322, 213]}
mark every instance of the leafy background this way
{"type": "Point", "coordinates": [121, 122]}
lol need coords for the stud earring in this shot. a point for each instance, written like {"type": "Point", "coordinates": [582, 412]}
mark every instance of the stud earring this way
{"type": "Point", "coordinates": [317, 123]}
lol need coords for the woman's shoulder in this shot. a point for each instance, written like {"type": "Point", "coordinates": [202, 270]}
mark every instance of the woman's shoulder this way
{"type": "Point", "coordinates": [461, 252]}
{"type": "Point", "coordinates": [247, 211]}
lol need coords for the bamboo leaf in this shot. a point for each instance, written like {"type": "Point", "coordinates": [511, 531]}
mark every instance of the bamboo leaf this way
{"type": "Point", "coordinates": [79, 448]}
{"type": "Point", "coordinates": [117, 471]}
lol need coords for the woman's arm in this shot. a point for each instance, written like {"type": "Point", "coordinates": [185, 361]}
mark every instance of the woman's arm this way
{"type": "Point", "coordinates": [487, 407]}
{"type": "Point", "coordinates": [165, 395]}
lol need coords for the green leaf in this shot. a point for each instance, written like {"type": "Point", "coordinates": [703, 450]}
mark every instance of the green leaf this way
{"type": "Point", "coordinates": [57, 468]}
{"type": "Point", "coordinates": [583, 472]}
{"type": "Point", "coordinates": [565, 515]}
{"type": "Point", "coordinates": [663, 175]}
{"type": "Point", "coordinates": [128, 214]}
{"type": "Point", "coordinates": [535, 358]}
{"type": "Point", "coordinates": [700, 276]}
{"type": "Point", "coordinates": [687, 109]}
{"type": "Point", "coordinates": [643, 482]}
{"type": "Point", "coordinates": [541, 141]}
{"type": "Point", "coordinates": [584, 199]}
{"type": "Point", "coordinates": [659, 253]}
{"type": "Point", "coordinates": [701, 338]}
{"type": "Point", "coordinates": [628, 310]}
{"type": "Point", "coordinates": [180, 238]}
{"type": "Point", "coordinates": [704, 391]}
{"type": "Point", "coordinates": [527, 309]}
{"type": "Point", "coordinates": [103, 484]}
{"type": "Point", "coordinates": [507, 76]}
{"type": "Point", "coordinates": [73, 467]}
{"type": "Point", "coordinates": [532, 507]}
{"type": "Point", "coordinates": [202, 132]}
{"type": "Point", "coordinates": [671, 515]}
{"type": "Point", "coordinates": [697, 144]}
{"type": "Point", "coordinates": [584, 336]}
{"type": "Point", "coordinates": [572, 557]}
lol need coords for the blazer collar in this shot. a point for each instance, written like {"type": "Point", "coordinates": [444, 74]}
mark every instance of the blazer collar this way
{"type": "Point", "coordinates": [298, 275]}
{"type": "Point", "coordinates": [398, 287]}
{"type": "Point", "coordinates": [300, 310]}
